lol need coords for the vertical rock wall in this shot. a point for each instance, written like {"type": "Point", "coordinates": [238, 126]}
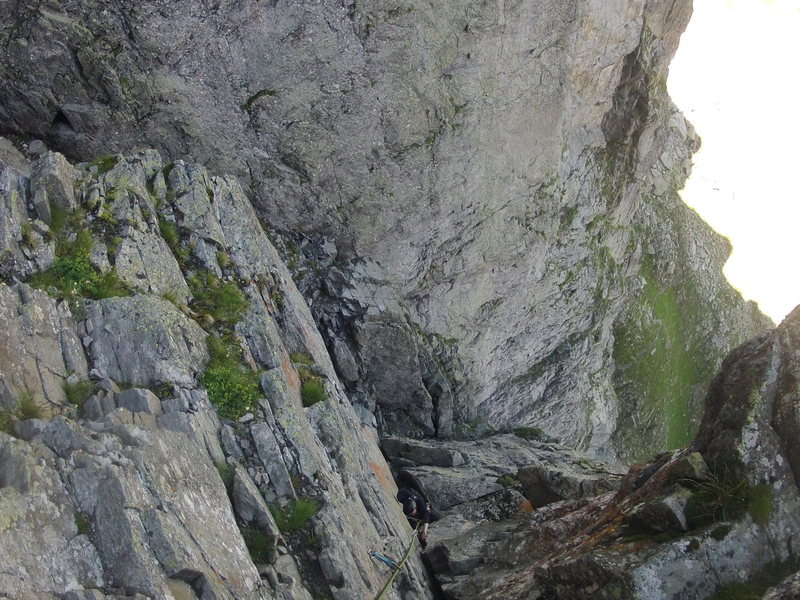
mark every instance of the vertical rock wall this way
{"type": "Point", "coordinates": [512, 165]}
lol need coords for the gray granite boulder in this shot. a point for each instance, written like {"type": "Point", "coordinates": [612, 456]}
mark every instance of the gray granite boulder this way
{"type": "Point", "coordinates": [145, 341]}
{"type": "Point", "coordinates": [39, 349]}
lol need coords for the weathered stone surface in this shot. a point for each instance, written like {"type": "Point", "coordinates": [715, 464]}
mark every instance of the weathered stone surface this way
{"type": "Point", "coordinates": [12, 157]}
{"type": "Point", "coordinates": [39, 349]}
{"type": "Point", "coordinates": [786, 590]}
{"type": "Point", "coordinates": [23, 248]}
{"type": "Point", "coordinates": [44, 552]}
{"type": "Point", "coordinates": [543, 484]}
{"type": "Point", "coordinates": [451, 473]}
{"type": "Point", "coordinates": [655, 540]}
{"type": "Point", "coordinates": [511, 216]}
{"type": "Point", "coordinates": [53, 172]}
{"type": "Point", "coordinates": [139, 400]}
{"type": "Point", "coordinates": [145, 341]}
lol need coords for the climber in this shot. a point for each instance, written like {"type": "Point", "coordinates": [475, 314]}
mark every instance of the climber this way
{"type": "Point", "coordinates": [418, 511]}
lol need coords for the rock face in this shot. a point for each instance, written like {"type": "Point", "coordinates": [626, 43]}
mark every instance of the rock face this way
{"type": "Point", "coordinates": [513, 168]}
{"type": "Point", "coordinates": [118, 477]}
{"type": "Point", "coordinates": [721, 512]}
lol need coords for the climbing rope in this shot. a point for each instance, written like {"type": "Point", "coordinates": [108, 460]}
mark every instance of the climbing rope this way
{"type": "Point", "coordinates": [384, 559]}
{"type": "Point", "coordinates": [395, 571]}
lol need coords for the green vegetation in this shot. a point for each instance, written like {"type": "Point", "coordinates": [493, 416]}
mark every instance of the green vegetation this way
{"type": "Point", "coordinates": [301, 358]}
{"type": "Point", "coordinates": [83, 524]}
{"type": "Point", "coordinates": [530, 433]}
{"type": "Point", "coordinates": [296, 514]}
{"type": "Point", "coordinates": [28, 408]}
{"type": "Point", "coordinates": [223, 301]}
{"type": "Point", "coordinates": [723, 498]}
{"type": "Point", "coordinates": [312, 391]}
{"type": "Point", "coordinates": [312, 386]}
{"type": "Point", "coordinates": [73, 276]}
{"type": "Point", "coordinates": [258, 543]}
{"type": "Point", "coordinates": [169, 231]}
{"type": "Point", "coordinates": [657, 362]}
{"type": "Point", "coordinates": [58, 219]}
{"type": "Point", "coordinates": [232, 386]}
{"type": "Point", "coordinates": [226, 473]}
{"type": "Point", "coordinates": [79, 392]}
{"type": "Point", "coordinates": [754, 589]}
{"type": "Point", "coordinates": [105, 163]}
{"type": "Point", "coordinates": [507, 480]}
{"type": "Point", "coordinates": [7, 422]}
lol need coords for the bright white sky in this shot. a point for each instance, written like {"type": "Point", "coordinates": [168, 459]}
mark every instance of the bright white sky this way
{"type": "Point", "coordinates": [737, 79]}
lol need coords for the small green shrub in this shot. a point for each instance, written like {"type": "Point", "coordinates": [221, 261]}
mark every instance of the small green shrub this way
{"type": "Point", "coordinates": [223, 260]}
{"type": "Point", "coordinates": [7, 422]}
{"type": "Point", "coordinates": [74, 276]}
{"type": "Point", "coordinates": [172, 298]}
{"type": "Point", "coordinates": [105, 163]}
{"type": "Point", "coordinates": [28, 408]}
{"type": "Point", "coordinates": [724, 498]}
{"type": "Point", "coordinates": [507, 480]}
{"type": "Point", "coordinates": [259, 544]}
{"type": "Point", "coordinates": [226, 473]}
{"type": "Point", "coordinates": [232, 386]}
{"type": "Point", "coordinates": [296, 514]}
{"type": "Point", "coordinates": [83, 524]}
{"type": "Point", "coordinates": [221, 300]}
{"type": "Point", "coordinates": [301, 358]}
{"type": "Point", "coordinates": [312, 391]}
{"type": "Point", "coordinates": [79, 392]}
{"type": "Point", "coordinates": [58, 219]}
{"type": "Point", "coordinates": [530, 433]}
{"type": "Point", "coordinates": [169, 231]}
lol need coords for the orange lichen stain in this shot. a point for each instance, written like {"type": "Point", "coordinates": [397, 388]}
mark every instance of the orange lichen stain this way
{"type": "Point", "coordinates": [526, 507]}
{"type": "Point", "coordinates": [290, 374]}
{"type": "Point", "coordinates": [384, 477]}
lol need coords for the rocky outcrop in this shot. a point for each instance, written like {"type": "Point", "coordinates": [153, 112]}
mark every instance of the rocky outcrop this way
{"type": "Point", "coordinates": [512, 167]}
{"type": "Point", "coordinates": [186, 461]}
{"type": "Point", "coordinates": [39, 349]}
{"type": "Point", "coordinates": [719, 513]}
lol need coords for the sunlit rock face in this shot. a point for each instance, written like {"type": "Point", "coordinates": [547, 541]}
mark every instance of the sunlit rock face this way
{"type": "Point", "coordinates": [512, 166]}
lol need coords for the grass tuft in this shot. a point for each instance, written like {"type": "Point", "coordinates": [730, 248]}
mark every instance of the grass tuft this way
{"type": "Point", "coordinates": [312, 391]}
{"type": "Point", "coordinates": [296, 515]}
{"type": "Point", "coordinates": [232, 386]}
{"type": "Point", "coordinates": [258, 543]}
{"type": "Point", "coordinates": [73, 276]}
{"type": "Point", "coordinates": [530, 433]}
{"type": "Point", "coordinates": [223, 301]}
{"type": "Point", "coordinates": [79, 392]}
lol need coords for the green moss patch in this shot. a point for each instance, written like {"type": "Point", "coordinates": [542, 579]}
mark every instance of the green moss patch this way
{"type": "Point", "coordinates": [73, 276]}
{"type": "Point", "coordinates": [233, 388]}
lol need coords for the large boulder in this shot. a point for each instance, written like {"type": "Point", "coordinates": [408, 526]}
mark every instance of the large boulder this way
{"type": "Point", "coordinates": [117, 507]}
{"type": "Point", "coordinates": [39, 349]}
{"type": "Point", "coordinates": [145, 341]}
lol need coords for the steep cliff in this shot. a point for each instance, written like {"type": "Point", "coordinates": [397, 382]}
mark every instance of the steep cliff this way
{"type": "Point", "coordinates": [512, 166]}
{"type": "Point", "coordinates": [171, 425]}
